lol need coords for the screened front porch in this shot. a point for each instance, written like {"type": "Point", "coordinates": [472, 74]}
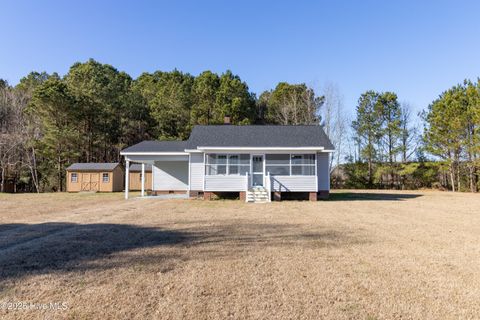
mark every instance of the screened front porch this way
{"type": "Point", "coordinates": [274, 171]}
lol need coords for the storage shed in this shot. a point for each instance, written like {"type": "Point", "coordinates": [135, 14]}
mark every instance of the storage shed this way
{"type": "Point", "coordinates": [101, 177]}
{"type": "Point", "coordinates": [135, 176]}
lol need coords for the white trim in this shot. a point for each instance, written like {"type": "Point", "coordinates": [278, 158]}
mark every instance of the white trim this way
{"type": "Point", "coordinates": [263, 148]}
{"type": "Point", "coordinates": [127, 178]}
{"type": "Point", "coordinates": [153, 176]}
{"type": "Point", "coordinates": [153, 153]}
{"type": "Point", "coordinates": [143, 180]}
{"type": "Point", "coordinates": [189, 171]}
{"type": "Point", "coordinates": [263, 166]}
{"type": "Point", "coordinates": [316, 172]}
{"type": "Point", "coordinates": [193, 151]}
{"type": "Point", "coordinates": [204, 171]}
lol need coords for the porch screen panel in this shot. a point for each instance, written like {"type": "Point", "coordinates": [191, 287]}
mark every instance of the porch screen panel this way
{"type": "Point", "coordinates": [244, 164]}
{"type": "Point", "coordinates": [290, 164]}
{"type": "Point", "coordinates": [303, 164]}
{"type": "Point", "coordinates": [278, 164]}
{"type": "Point", "coordinates": [227, 164]}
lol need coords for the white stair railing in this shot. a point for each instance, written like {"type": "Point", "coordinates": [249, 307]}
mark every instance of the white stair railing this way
{"type": "Point", "coordinates": [268, 186]}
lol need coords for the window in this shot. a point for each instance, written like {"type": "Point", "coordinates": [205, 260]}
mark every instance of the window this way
{"type": "Point", "coordinates": [74, 177]}
{"type": "Point", "coordinates": [290, 164]}
{"type": "Point", "coordinates": [231, 164]}
{"type": "Point", "coordinates": [105, 177]}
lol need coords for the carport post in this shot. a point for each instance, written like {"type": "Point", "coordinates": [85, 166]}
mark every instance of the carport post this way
{"type": "Point", "coordinates": [143, 179]}
{"type": "Point", "coordinates": [127, 175]}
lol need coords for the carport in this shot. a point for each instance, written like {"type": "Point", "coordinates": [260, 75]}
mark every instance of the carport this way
{"type": "Point", "coordinates": [170, 170]}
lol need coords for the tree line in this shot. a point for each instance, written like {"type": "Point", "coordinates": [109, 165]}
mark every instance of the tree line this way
{"type": "Point", "coordinates": [94, 111]}
{"type": "Point", "coordinates": [441, 151]}
{"type": "Point", "coordinates": [48, 121]}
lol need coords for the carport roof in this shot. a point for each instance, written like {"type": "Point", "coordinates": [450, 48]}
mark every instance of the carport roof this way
{"type": "Point", "coordinates": [137, 167]}
{"type": "Point", "coordinates": [157, 146]}
{"type": "Point", "coordinates": [93, 166]}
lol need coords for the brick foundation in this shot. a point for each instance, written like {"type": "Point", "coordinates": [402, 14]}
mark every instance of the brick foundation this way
{"type": "Point", "coordinates": [277, 196]}
{"type": "Point", "coordinates": [243, 196]}
{"type": "Point", "coordinates": [323, 194]}
{"type": "Point", "coordinates": [312, 196]}
{"type": "Point", "coordinates": [195, 194]}
{"type": "Point", "coordinates": [207, 195]}
{"type": "Point", "coordinates": [158, 192]}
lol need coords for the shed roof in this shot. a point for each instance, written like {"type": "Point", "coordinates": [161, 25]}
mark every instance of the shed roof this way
{"type": "Point", "coordinates": [137, 167]}
{"type": "Point", "coordinates": [93, 166]}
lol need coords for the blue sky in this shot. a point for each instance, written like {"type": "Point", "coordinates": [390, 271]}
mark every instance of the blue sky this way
{"type": "Point", "coordinates": [414, 48]}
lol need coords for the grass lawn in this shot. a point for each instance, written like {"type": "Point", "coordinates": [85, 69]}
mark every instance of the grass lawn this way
{"type": "Point", "coordinates": [360, 255]}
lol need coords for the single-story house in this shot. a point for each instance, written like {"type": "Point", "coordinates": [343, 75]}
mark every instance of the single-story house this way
{"type": "Point", "coordinates": [135, 177]}
{"type": "Point", "coordinates": [102, 177]}
{"type": "Point", "coordinates": [257, 162]}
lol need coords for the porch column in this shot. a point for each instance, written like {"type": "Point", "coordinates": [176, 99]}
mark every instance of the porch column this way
{"type": "Point", "coordinates": [127, 176]}
{"type": "Point", "coordinates": [143, 179]}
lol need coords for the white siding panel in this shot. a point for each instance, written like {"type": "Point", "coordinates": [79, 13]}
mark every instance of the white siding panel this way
{"type": "Point", "coordinates": [170, 175]}
{"type": "Point", "coordinates": [323, 171]}
{"type": "Point", "coordinates": [294, 183]}
{"type": "Point", "coordinates": [225, 183]}
{"type": "Point", "coordinates": [197, 170]}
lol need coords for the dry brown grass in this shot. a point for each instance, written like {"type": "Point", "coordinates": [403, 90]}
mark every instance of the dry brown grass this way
{"type": "Point", "coordinates": [362, 255]}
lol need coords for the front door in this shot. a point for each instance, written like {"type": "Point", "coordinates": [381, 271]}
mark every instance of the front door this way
{"type": "Point", "coordinates": [257, 170]}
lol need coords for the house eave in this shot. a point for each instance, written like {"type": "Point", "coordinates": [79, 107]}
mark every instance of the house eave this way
{"type": "Point", "coordinates": [253, 149]}
{"type": "Point", "coordinates": [154, 153]}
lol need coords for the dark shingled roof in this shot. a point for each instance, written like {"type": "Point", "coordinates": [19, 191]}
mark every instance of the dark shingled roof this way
{"type": "Point", "coordinates": [259, 136]}
{"type": "Point", "coordinates": [158, 146]}
{"type": "Point", "coordinates": [93, 166]}
{"type": "Point", "coordinates": [242, 136]}
{"type": "Point", "coordinates": [137, 167]}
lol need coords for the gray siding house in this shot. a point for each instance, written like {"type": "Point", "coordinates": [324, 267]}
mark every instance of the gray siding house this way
{"type": "Point", "coordinates": [258, 162]}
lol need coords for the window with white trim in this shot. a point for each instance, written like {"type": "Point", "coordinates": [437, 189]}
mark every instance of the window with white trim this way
{"type": "Point", "coordinates": [105, 177]}
{"type": "Point", "coordinates": [290, 164]}
{"type": "Point", "coordinates": [74, 177]}
{"type": "Point", "coordinates": [227, 164]}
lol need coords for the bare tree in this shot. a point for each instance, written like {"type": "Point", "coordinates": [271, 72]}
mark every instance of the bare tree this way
{"type": "Point", "coordinates": [293, 104]}
{"type": "Point", "coordinates": [18, 133]}
{"type": "Point", "coordinates": [335, 122]}
{"type": "Point", "coordinates": [409, 135]}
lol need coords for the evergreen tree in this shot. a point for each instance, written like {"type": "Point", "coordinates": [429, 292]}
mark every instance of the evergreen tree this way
{"type": "Point", "coordinates": [368, 129]}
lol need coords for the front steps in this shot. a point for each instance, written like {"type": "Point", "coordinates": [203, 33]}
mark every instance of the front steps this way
{"type": "Point", "coordinates": [258, 195]}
